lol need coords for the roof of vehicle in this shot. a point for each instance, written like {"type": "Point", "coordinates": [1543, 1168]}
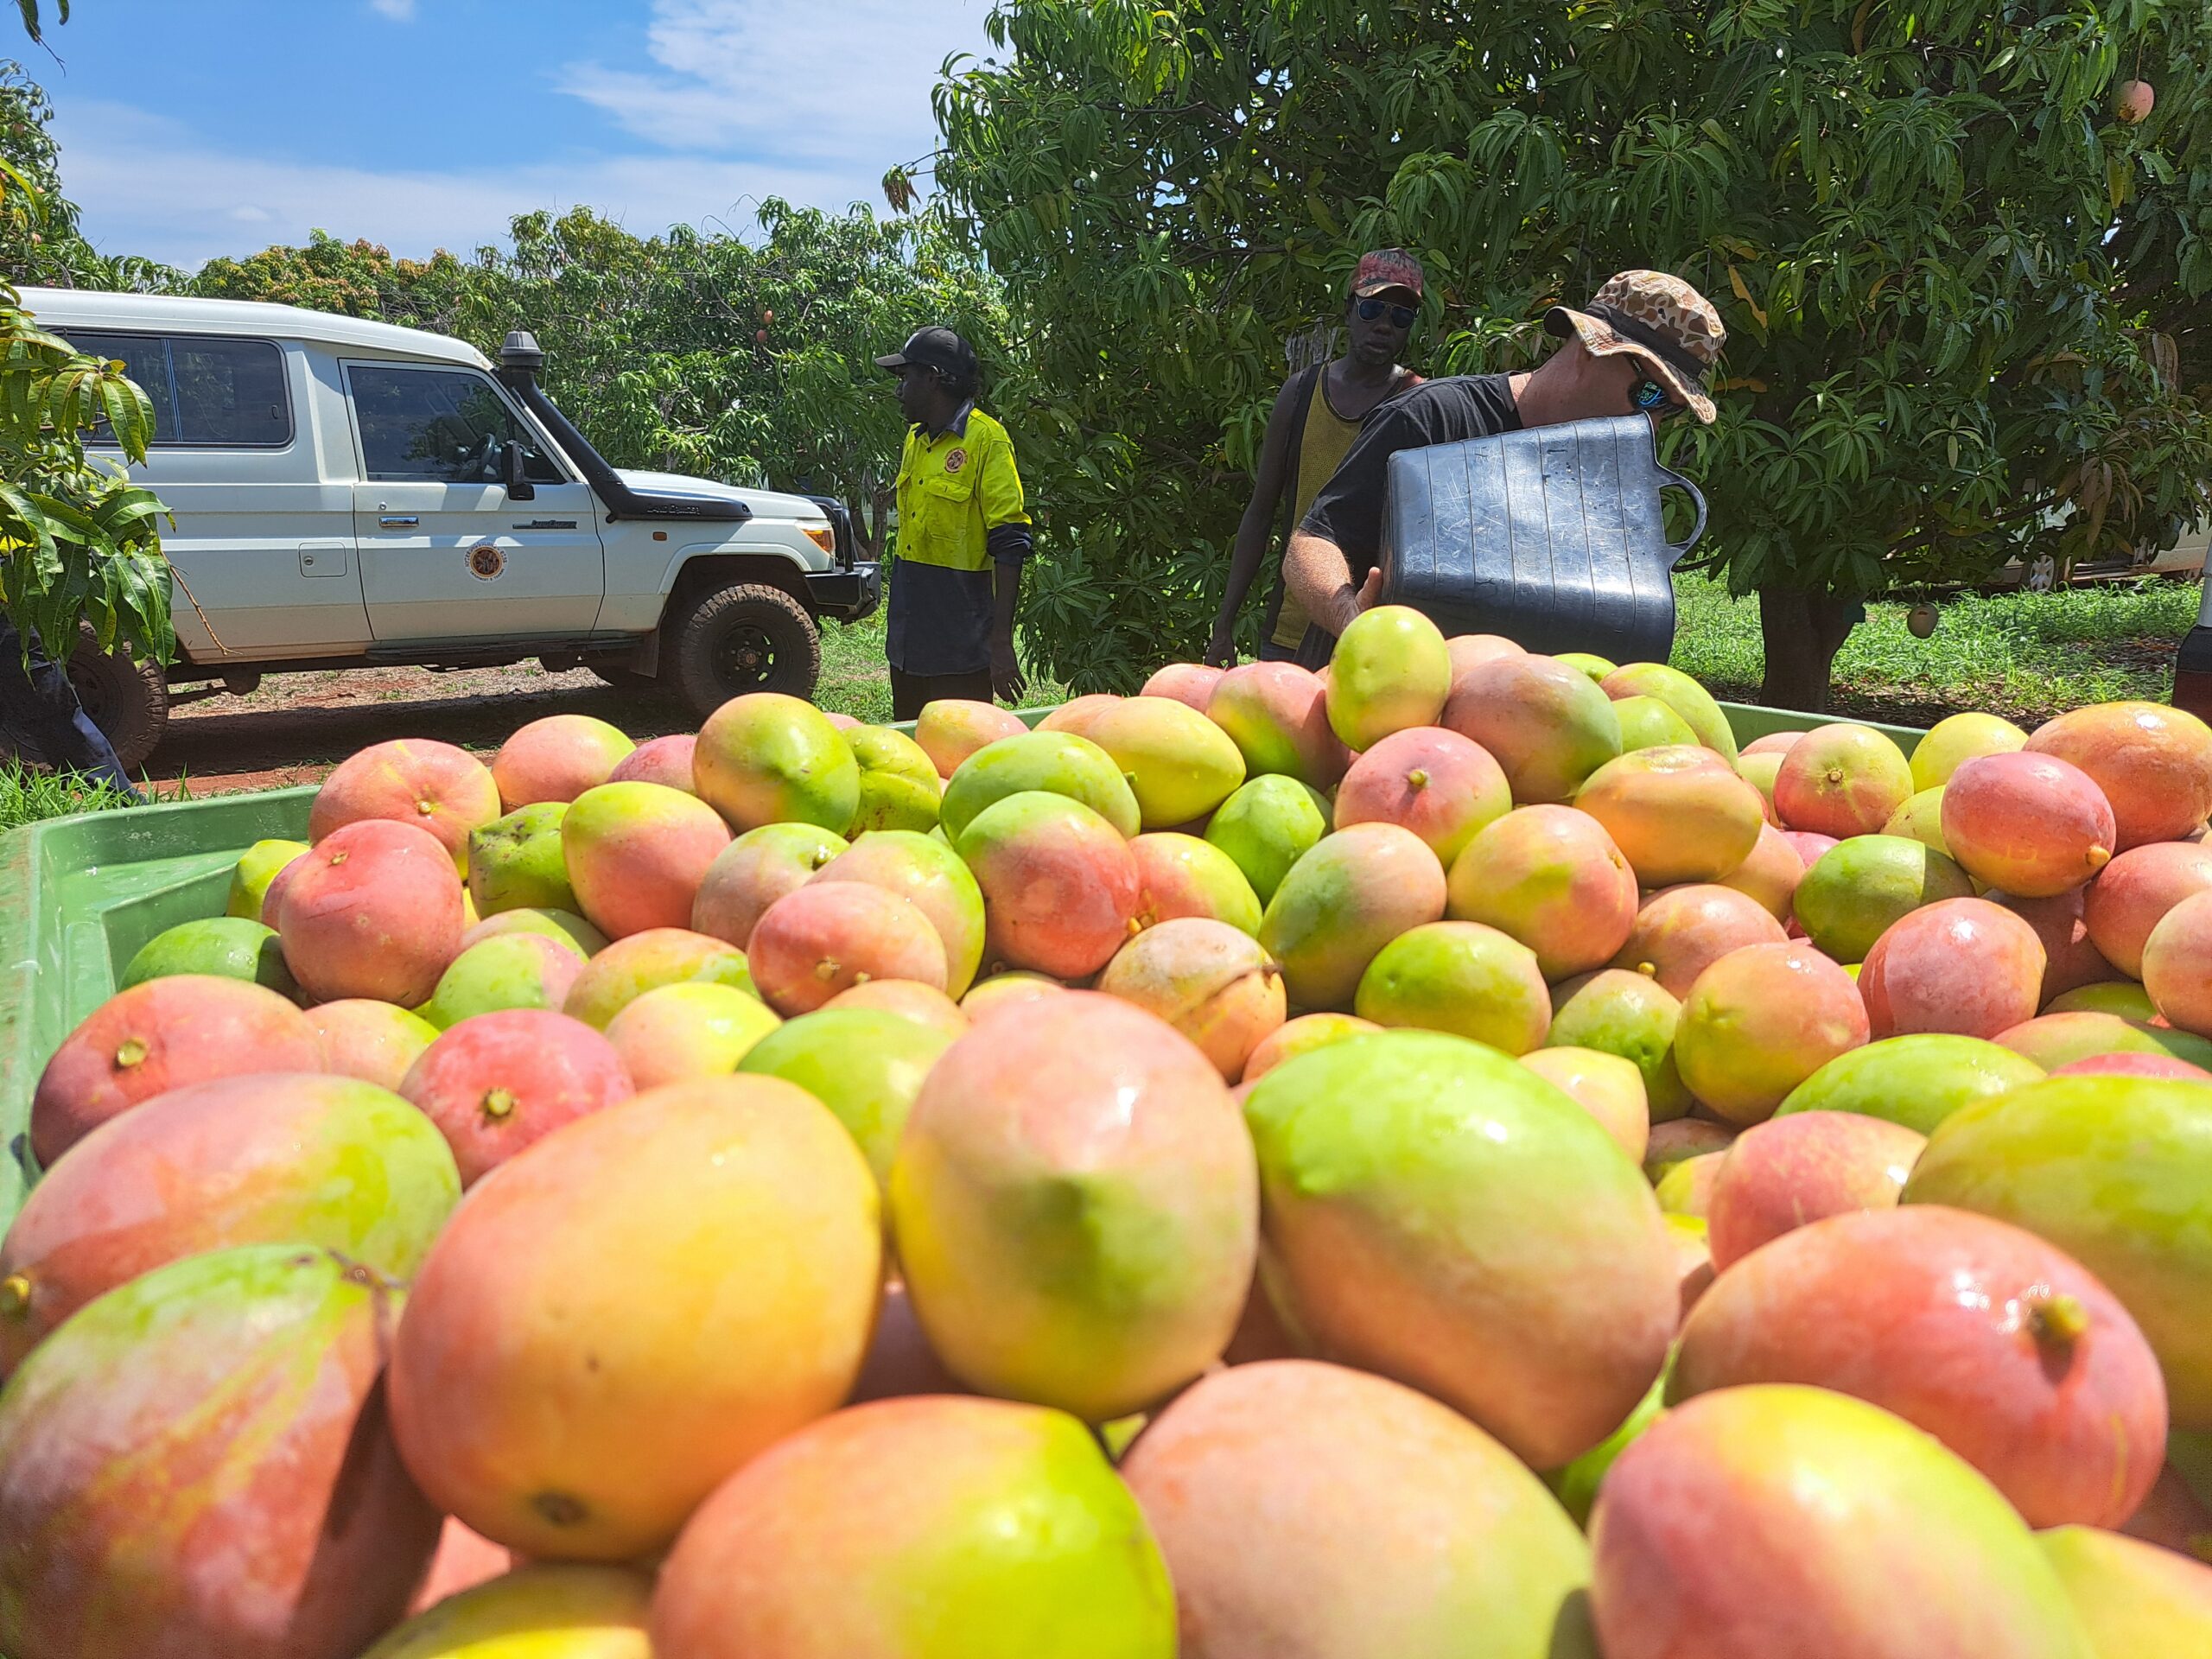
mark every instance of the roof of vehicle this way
{"type": "Point", "coordinates": [64, 308]}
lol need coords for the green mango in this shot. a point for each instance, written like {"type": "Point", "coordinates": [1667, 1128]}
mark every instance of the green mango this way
{"type": "Point", "coordinates": [899, 787]}
{"type": "Point", "coordinates": [1648, 723]}
{"type": "Point", "coordinates": [229, 947]}
{"type": "Point", "coordinates": [1440, 1214]}
{"type": "Point", "coordinates": [516, 862]}
{"type": "Point", "coordinates": [864, 1064]}
{"type": "Point", "coordinates": [1699, 712]}
{"type": "Point", "coordinates": [1266, 825]}
{"type": "Point", "coordinates": [1917, 1081]}
{"type": "Point", "coordinates": [1857, 888]}
{"type": "Point", "coordinates": [262, 863]}
{"type": "Point", "coordinates": [1052, 763]}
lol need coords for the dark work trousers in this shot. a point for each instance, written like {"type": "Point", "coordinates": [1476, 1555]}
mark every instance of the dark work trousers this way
{"type": "Point", "coordinates": [42, 706]}
{"type": "Point", "coordinates": [910, 691]}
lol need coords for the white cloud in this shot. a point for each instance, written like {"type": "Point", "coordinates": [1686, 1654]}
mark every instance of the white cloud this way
{"type": "Point", "coordinates": [149, 186]}
{"type": "Point", "coordinates": [726, 101]}
{"type": "Point", "coordinates": [843, 79]}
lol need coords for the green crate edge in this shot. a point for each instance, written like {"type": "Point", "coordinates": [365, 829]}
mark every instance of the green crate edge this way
{"type": "Point", "coordinates": [55, 968]}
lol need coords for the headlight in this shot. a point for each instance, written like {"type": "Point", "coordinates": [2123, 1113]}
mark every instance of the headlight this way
{"type": "Point", "coordinates": [823, 536]}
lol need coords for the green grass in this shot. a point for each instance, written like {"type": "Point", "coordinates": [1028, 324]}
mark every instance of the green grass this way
{"type": "Point", "coordinates": [2025, 656]}
{"type": "Point", "coordinates": [27, 796]}
{"type": "Point", "coordinates": [855, 680]}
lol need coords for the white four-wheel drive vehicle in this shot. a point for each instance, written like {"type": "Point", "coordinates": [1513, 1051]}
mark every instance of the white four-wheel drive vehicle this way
{"type": "Point", "coordinates": [351, 494]}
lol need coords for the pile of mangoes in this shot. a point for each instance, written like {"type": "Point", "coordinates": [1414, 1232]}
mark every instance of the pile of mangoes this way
{"type": "Point", "coordinates": [1449, 1156]}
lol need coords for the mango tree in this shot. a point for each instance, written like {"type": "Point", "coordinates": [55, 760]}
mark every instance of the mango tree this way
{"type": "Point", "coordinates": [1952, 260]}
{"type": "Point", "coordinates": [78, 539]}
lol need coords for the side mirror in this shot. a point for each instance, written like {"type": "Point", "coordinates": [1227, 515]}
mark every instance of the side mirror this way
{"type": "Point", "coordinates": [512, 460]}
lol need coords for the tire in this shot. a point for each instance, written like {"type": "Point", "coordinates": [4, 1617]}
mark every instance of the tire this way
{"type": "Point", "coordinates": [2043, 575]}
{"type": "Point", "coordinates": [127, 699]}
{"type": "Point", "coordinates": [734, 640]}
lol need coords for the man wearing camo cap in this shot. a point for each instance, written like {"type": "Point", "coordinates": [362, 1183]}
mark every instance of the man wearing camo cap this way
{"type": "Point", "coordinates": [1645, 345]}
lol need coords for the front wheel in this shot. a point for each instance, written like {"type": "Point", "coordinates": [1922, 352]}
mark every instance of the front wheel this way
{"type": "Point", "coordinates": [127, 699]}
{"type": "Point", "coordinates": [743, 639]}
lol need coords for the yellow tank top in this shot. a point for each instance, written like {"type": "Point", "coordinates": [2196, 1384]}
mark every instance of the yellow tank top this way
{"type": "Point", "coordinates": [1327, 440]}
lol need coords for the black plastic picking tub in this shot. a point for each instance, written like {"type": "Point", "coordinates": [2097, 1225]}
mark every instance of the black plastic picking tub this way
{"type": "Point", "coordinates": [1551, 536]}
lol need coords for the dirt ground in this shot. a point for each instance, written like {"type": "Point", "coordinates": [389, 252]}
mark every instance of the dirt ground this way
{"type": "Point", "coordinates": [297, 727]}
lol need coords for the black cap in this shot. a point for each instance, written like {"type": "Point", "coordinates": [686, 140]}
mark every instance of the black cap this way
{"type": "Point", "coordinates": [934, 348]}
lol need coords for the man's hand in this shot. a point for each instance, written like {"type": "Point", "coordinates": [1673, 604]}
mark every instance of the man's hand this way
{"type": "Point", "coordinates": [1007, 682]}
{"type": "Point", "coordinates": [1370, 592]}
{"type": "Point", "coordinates": [1221, 650]}
{"type": "Point", "coordinates": [1349, 601]}
{"type": "Point", "coordinates": [1319, 578]}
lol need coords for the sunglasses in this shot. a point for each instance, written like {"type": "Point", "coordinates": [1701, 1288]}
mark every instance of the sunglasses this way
{"type": "Point", "coordinates": [1649, 397]}
{"type": "Point", "coordinates": [1402, 316]}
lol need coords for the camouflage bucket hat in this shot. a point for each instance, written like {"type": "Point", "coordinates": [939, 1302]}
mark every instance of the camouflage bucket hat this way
{"type": "Point", "coordinates": [1659, 318]}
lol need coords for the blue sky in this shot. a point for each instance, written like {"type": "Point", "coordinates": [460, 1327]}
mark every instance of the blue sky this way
{"type": "Point", "coordinates": [192, 128]}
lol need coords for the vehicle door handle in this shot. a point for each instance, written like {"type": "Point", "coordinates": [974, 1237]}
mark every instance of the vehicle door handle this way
{"type": "Point", "coordinates": [400, 520]}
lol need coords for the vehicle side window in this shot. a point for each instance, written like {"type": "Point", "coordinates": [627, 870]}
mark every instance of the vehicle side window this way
{"type": "Point", "coordinates": [444, 426]}
{"type": "Point", "coordinates": [207, 392]}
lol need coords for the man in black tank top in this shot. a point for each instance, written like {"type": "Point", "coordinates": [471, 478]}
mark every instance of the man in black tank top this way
{"type": "Point", "coordinates": [1644, 345]}
{"type": "Point", "coordinates": [1380, 309]}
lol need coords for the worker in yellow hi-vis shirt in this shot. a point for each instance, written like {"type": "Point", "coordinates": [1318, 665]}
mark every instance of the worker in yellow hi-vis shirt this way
{"type": "Point", "coordinates": [964, 534]}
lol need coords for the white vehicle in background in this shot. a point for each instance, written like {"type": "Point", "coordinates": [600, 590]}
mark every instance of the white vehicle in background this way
{"type": "Point", "coordinates": [351, 494]}
{"type": "Point", "coordinates": [2044, 574]}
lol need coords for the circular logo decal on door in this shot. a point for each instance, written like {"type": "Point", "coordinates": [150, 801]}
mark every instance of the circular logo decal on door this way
{"type": "Point", "coordinates": [486, 562]}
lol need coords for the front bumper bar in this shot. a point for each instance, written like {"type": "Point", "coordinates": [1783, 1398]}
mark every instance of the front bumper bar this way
{"type": "Point", "coordinates": [848, 596]}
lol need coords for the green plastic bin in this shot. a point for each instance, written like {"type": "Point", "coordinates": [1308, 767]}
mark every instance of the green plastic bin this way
{"type": "Point", "coordinates": [78, 897]}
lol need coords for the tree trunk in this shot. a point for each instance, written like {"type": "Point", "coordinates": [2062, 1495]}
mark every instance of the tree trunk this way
{"type": "Point", "coordinates": [880, 509]}
{"type": "Point", "coordinates": [859, 516]}
{"type": "Point", "coordinates": [1802, 631]}
{"type": "Point", "coordinates": [867, 501]}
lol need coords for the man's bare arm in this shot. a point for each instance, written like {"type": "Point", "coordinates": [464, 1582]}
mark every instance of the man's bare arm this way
{"type": "Point", "coordinates": [1252, 531]}
{"type": "Point", "coordinates": [1320, 580]}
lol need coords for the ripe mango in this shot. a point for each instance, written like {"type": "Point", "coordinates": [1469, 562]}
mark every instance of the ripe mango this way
{"type": "Point", "coordinates": [1440, 1214]}
{"type": "Point", "coordinates": [221, 1398]}
{"type": "Point", "coordinates": [1392, 1524]}
{"type": "Point", "coordinates": [765, 758]}
{"type": "Point", "coordinates": [1776, 1519]}
{"type": "Point", "coordinates": [2117, 1171]}
{"type": "Point", "coordinates": [1179, 765]}
{"type": "Point", "coordinates": [1354, 893]}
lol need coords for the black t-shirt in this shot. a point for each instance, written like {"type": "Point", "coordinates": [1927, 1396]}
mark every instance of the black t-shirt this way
{"type": "Point", "coordinates": [1349, 510]}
